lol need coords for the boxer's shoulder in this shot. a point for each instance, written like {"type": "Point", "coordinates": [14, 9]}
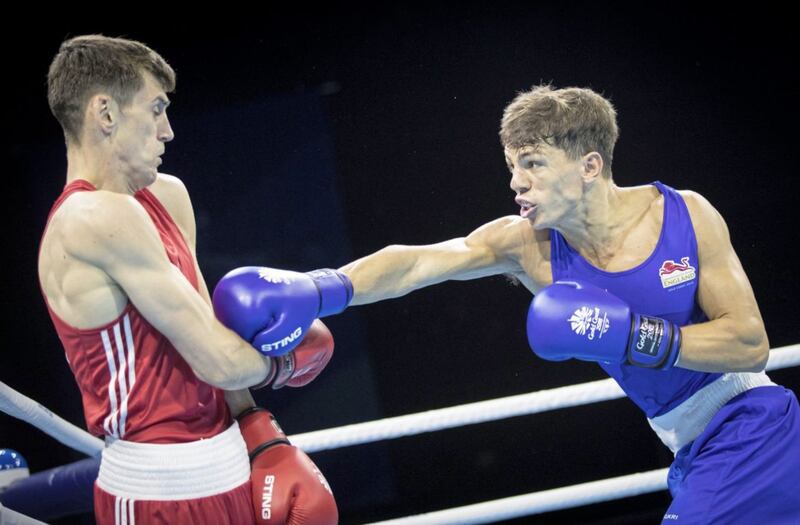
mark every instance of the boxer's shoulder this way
{"type": "Point", "coordinates": [700, 209]}
{"type": "Point", "coordinates": [83, 203]}
{"type": "Point", "coordinates": [77, 289]}
{"type": "Point", "coordinates": [85, 219]}
{"type": "Point", "coordinates": [709, 226]}
{"type": "Point", "coordinates": [506, 234]}
{"type": "Point", "coordinates": [170, 190]}
{"type": "Point", "coordinates": [529, 248]}
{"type": "Point", "coordinates": [534, 254]}
{"type": "Point", "coordinates": [174, 196]}
{"type": "Point", "coordinates": [93, 219]}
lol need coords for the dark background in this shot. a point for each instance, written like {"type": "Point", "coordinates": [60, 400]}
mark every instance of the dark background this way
{"type": "Point", "coordinates": [308, 139]}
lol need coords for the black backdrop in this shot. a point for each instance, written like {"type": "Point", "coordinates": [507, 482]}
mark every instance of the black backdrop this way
{"type": "Point", "coordinates": [309, 139]}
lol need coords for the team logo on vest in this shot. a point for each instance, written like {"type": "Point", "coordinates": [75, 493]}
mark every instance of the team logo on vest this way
{"type": "Point", "coordinates": [589, 322]}
{"type": "Point", "coordinates": [673, 273]}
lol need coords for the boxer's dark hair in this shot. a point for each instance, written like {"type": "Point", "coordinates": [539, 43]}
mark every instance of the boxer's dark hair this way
{"type": "Point", "coordinates": [576, 120]}
{"type": "Point", "coordinates": [90, 64]}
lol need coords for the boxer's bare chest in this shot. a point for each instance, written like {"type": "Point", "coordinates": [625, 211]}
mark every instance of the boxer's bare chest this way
{"type": "Point", "coordinates": [631, 247]}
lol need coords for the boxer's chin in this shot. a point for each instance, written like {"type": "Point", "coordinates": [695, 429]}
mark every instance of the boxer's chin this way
{"type": "Point", "coordinates": [145, 179]}
{"type": "Point", "coordinates": [532, 215]}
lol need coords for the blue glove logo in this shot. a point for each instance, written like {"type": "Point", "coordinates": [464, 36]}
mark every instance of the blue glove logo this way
{"type": "Point", "coordinates": [589, 320]}
{"type": "Point", "coordinates": [274, 277]}
{"type": "Point", "coordinates": [581, 320]}
{"type": "Point", "coordinates": [266, 348]}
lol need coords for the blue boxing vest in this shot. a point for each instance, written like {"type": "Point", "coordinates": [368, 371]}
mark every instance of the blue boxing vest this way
{"type": "Point", "coordinates": [664, 285]}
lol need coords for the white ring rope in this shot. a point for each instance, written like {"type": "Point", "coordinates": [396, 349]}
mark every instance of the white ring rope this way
{"type": "Point", "coordinates": [22, 407]}
{"type": "Point", "coordinates": [483, 411]}
{"type": "Point", "coordinates": [544, 501]}
{"type": "Point", "coordinates": [17, 405]}
{"type": "Point", "coordinates": [457, 416]}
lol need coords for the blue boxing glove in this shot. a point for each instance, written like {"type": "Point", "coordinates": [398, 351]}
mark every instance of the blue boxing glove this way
{"type": "Point", "coordinates": [273, 309]}
{"type": "Point", "coordinates": [571, 319]}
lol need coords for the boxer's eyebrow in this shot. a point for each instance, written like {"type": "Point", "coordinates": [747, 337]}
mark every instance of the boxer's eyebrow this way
{"type": "Point", "coordinates": [531, 150]}
{"type": "Point", "coordinates": [528, 154]}
{"type": "Point", "coordinates": [163, 100]}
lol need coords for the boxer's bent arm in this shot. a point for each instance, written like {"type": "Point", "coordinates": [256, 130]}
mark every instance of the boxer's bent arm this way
{"type": "Point", "coordinates": [397, 270]}
{"type": "Point", "coordinates": [113, 233]}
{"type": "Point", "coordinates": [241, 399]}
{"type": "Point", "coordinates": [734, 339]}
{"type": "Point", "coordinates": [237, 400]}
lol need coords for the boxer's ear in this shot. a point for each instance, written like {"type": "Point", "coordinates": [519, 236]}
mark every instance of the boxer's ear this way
{"type": "Point", "coordinates": [102, 113]}
{"type": "Point", "coordinates": [592, 167]}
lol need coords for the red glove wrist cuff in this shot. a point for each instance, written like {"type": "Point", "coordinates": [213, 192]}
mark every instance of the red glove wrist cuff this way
{"type": "Point", "coordinates": [260, 431]}
{"type": "Point", "coordinates": [284, 369]}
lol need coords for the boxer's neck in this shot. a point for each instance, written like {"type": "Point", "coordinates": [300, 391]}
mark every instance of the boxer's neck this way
{"type": "Point", "coordinates": [602, 219]}
{"type": "Point", "coordinates": [96, 165]}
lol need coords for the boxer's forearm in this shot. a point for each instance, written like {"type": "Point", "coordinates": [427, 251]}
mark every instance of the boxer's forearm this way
{"type": "Point", "coordinates": [397, 270]}
{"type": "Point", "coordinates": [724, 345]}
{"type": "Point", "coordinates": [239, 400]}
{"type": "Point", "coordinates": [385, 274]}
{"type": "Point", "coordinates": [381, 275]}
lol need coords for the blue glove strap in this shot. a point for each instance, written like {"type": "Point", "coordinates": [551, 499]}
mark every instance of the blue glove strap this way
{"type": "Point", "coordinates": [335, 290]}
{"type": "Point", "coordinates": [654, 342]}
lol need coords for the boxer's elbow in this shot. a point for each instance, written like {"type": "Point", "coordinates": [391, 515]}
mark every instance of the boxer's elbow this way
{"type": "Point", "coordinates": [245, 369]}
{"type": "Point", "coordinates": [762, 359]}
{"type": "Point", "coordinates": [215, 376]}
{"type": "Point", "coordinates": [237, 369]}
{"type": "Point", "coordinates": [759, 355]}
{"type": "Point", "coordinates": [755, 343]}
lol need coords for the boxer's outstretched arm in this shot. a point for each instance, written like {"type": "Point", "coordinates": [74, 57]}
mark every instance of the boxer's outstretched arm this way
{"type": "Point", "coordinates": [734, 338]}
{"type": "Point", "coordinates": [113, 233]}
{"type": "Point", "coordinates": [396, 270]}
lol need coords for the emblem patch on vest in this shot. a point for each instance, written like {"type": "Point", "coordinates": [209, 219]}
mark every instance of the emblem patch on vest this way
{"type": "Point", "coordinates": [673, 273]}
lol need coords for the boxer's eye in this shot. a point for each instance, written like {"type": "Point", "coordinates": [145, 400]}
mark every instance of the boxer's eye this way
{"type": "Point", "coordinates": [159, 108]}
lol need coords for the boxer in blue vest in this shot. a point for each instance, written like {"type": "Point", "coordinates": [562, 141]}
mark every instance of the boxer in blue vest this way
{"type": "Point", "coordinates": [642, 280]}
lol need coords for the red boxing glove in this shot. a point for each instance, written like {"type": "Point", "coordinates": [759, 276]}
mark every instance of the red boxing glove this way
{"type": "Point", "coordinates": [303, 364]}
{"type": "Point", "coordinates": [287, 486]}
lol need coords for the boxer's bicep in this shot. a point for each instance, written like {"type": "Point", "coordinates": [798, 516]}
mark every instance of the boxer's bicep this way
{"type": "Point", "coordinates": [489, 250]}
{"type": "Point", "coordinates": [480, 254]}
{"type": "Point", "coordinates": [724, 291]}
{"type": "Point", "coordinates": [119, 238]}
{"type": "Point", "coordinates": [458, 259]}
